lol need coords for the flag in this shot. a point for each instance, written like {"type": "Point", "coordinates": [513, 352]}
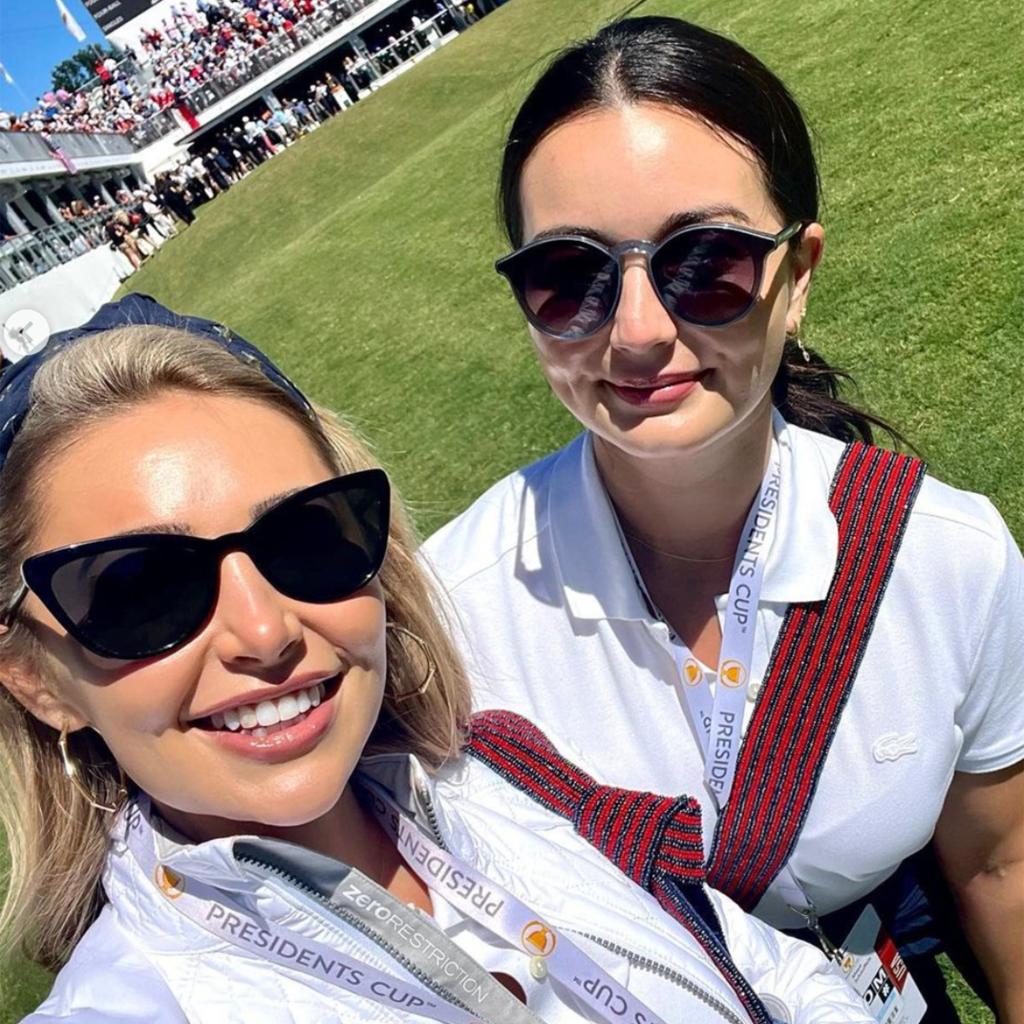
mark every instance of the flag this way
{"type": "Point", "coordinates": [6, 74]}
{"type": "Point", "coordinates": [69, 22]}
{"type": "Point", "coordinates": [59, 154]}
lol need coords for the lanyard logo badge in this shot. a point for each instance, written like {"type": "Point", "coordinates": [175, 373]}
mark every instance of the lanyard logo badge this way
{"type": "Point", "coordinates": [732, 673]}
{"type": "Point", "coordinates": [169, 882]}
{"type": "Point", "coordinates": [539, 939]}
{"type": "Point", "coordinates": [692, 672]}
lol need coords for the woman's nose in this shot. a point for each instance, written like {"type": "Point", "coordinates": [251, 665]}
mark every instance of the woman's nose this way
{"type": "Point", "coordinates": [641, 321]}
{"type": "Point", "coordinates": [254, 622]}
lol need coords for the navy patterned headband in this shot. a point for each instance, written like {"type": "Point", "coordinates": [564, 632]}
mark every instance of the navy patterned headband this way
{"type": "Point", "coordinates": [16, 381]}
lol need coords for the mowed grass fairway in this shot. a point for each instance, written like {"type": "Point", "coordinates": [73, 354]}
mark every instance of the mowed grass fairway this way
{"type": "Point", "coordinates": [361, 258]}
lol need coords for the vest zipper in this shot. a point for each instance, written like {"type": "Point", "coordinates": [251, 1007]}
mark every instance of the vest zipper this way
{"type": "Point", "coordinates": [644, 963]}
{"type": "Point", "coordinates": [428, 807]}
{"type": "Point", "coordinates": [711, 943]}
{"type": "Point", "coordinates": [424, 979]}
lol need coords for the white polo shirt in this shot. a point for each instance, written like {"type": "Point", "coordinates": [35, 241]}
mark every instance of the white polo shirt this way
{"type": "Point", "coordinates": [554, 626]}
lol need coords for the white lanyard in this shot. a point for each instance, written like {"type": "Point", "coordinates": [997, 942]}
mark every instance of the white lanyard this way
{"type": "Point", "coordinates": [719, 720]}
{"type": "Point", "coordinates": [505, 916]}
{"type": "Point", "coordinates": [219, 913]}
{"type": "Point", "coordinates": [723, 729]}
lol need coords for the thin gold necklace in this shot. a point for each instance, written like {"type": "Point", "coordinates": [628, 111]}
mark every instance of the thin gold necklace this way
{"type": "Point", "coordinates": [678, 558]}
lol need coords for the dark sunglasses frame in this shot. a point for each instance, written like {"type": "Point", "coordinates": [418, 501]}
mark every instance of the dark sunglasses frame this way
{"type": "Point", "coordinates": [760, 244]}
{"type": "Point", "coordinates": [38, 571]}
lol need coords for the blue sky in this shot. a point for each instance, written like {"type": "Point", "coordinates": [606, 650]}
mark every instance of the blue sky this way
{"type": "Point", "coordinates": [32, 41]}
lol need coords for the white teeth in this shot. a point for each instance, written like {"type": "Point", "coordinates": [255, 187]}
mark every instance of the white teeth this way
{"type": "Point", "coordinates": [257, 719]}
{"type": "Point", "coordinates": [288, 708]}
{"type": "Point", "coordinates": [266, 713]}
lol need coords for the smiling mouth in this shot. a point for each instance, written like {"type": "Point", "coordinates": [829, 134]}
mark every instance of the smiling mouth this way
{"type": "Point", "coordinates": [270, 716]}
{"type": "Point", "coordinates": [659, 391]}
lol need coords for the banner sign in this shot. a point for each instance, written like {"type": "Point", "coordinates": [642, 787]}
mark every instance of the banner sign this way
{"type": "Point", "coordinates": [112, 14]}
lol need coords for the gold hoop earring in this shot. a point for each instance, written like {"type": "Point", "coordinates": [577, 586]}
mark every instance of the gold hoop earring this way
{"type": "Point", "coordinates": [800, 341]}
{"type": "Point", "coordinates": [421, 689]}
{"type": "Point", "coordinates": [71, 771]}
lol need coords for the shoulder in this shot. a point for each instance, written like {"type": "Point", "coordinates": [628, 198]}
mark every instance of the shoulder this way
{"type": "Point", "coordinates": [507, 515]}
{"type": "Point", "coordinates": [501, 770]}
{"type": "Point", "coordinates": [108, 981]}
{"type": "Point", "coordinates": [532, 849]}
{"type": "Point", "coordinates": [942, 515]}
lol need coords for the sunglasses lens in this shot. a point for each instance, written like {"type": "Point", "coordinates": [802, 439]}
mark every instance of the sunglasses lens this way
{"type": "Point", "coordinates": [142, 598]}
{"type": "Point", "coordinates": [134, 602]}
{"type": "Point", "coordinates": [708, 276]}
{"type": "Point", "coordinates": [567, 287]}
{"type": "Point", "coordinates": [328, 546]}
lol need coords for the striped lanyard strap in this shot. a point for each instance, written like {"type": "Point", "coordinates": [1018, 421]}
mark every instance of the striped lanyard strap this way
{"type": "Point", "coordinates": [656, 841]}
{"type": "Point", "coordinates": [810, 676]}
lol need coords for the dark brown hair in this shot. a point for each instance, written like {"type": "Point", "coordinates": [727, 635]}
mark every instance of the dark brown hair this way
{"type": "Point", "coordinates": [673, 63]}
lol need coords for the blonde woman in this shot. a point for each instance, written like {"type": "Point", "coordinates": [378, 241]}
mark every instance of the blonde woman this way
{"type": "Point", "coordinates": [236, 787]}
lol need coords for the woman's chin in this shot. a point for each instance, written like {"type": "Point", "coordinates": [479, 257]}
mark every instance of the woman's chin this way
{"type": "Point", "coordinates": [282, 804]}
{"type": "Point", "coordinates": [287, 813]}
{"type": "Point", "coordinates": [665, 434]}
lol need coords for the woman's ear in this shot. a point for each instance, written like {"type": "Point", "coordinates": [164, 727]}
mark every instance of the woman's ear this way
{"type": "Point", "coordinates": [23, 682]}
{"type": "Point", "coordinates": [805, 257]}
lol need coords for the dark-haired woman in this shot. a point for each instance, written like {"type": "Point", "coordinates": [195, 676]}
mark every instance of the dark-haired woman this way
{"type": "Point", "coordinates": [721, 588]}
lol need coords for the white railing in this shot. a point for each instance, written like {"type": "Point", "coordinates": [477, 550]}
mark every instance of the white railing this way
{"type": "Point", "coordinates": [23, 257]}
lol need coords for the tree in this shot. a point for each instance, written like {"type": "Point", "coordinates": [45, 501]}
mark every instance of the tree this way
{"type": "Point", "coordinates": [73, 73]}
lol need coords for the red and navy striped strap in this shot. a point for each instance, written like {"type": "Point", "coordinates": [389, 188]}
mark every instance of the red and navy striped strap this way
{"type": "Point", "coordinates": [654, 840]}
{"type": "Point", "coordinates": [811, 673]}
{"type": "Point", "coordinates": [640, 833]}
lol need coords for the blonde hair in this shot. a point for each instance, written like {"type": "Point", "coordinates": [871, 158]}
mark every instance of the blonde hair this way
{"type": "Point", "coordinates": [57, 843]}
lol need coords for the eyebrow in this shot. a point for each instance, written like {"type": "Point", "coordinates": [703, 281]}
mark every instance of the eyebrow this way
{"type": "Point", "coordinates": [171, 528]}
{"type": "Point", "coordinates": [275, 499]}
{"type": "Point", "coordinates": [682, 219]}
{"type": "Point", "coordinates": [182, 529]}
{"type": "Point", "coordinates": [703, 215]}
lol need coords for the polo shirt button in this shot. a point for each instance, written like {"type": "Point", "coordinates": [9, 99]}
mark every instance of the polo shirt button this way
{"type": "Point", "coordinates": [752, 691]}
{"type": "Point", "coordinates": [538, 968]}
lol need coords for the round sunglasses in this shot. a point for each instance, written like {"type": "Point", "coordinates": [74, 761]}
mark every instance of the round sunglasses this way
{"type": "Point", "coordinates": [139, 595]}
{"type": "Point", "coordinates": [706, 274]}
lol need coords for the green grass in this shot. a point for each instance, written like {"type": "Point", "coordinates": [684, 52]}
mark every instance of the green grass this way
{"type": "Point", "coordinates": [360, 259]}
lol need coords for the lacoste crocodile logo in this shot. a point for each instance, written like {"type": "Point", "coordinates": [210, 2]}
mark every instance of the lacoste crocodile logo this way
{"type": "Point", "coordinates": [892, 746]}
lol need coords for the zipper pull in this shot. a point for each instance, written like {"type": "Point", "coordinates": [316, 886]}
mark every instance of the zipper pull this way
{"type": "Point", "coordinates": [830, 949]}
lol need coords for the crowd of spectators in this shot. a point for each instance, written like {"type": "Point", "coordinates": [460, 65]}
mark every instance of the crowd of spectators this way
{"type": "Point", "coordinates": [141, 223]}
{"type": "Point", "coordinates": [136, 224]}
{"type": "Point", "coordinates": [213, 37]}
{"type": "Point", "coordinates": [207, 41]}
{"type": "Point", "coordinates": [138, 221]}
{"type": "Point", "coordinates": [232, 152]}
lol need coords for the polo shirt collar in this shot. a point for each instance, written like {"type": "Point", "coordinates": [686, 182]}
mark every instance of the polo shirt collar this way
{"type": "Point", "coordinates": [595, 572]}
